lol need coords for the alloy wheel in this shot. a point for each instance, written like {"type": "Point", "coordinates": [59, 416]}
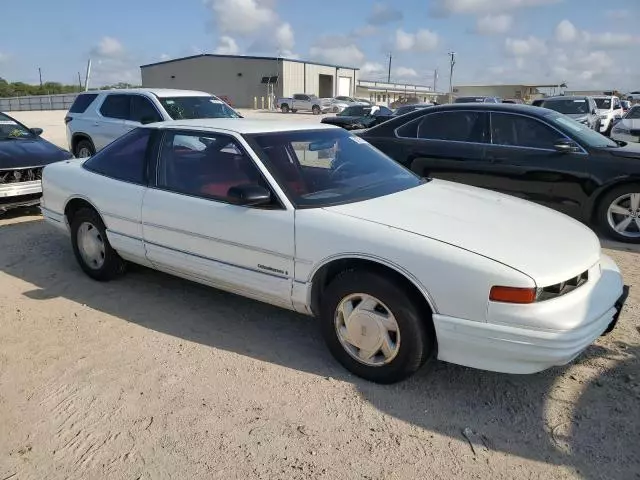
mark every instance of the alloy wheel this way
{"type": "Point", "coordinates": [623, 215]}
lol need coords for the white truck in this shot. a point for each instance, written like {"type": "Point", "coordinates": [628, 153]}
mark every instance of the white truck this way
{"type": "Point", "coordinates": [300, 102]}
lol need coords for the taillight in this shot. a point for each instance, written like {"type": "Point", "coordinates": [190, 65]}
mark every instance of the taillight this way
{"type": "Point", "coordinates": [67, 119]}
{"type": "Point", "coordinates": [512, 295]}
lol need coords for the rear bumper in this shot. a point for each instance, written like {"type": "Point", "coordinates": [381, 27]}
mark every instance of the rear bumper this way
{"type": "Point", "coordinates": [525, 349]}
{"type": "Point", "coordinates": [20, 194]}
{"type": "Point", "coordinates": [55, 219]}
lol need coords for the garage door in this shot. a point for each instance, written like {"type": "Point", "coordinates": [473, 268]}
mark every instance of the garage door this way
{"type": "Point", "coordinates": [344, 86]}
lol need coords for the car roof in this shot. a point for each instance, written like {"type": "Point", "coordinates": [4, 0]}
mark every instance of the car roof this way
{"type": "Point", "coordinates": [501, 107]}
{"type": "Point", "coordinates": [567, 97]}
{"type": "Point", "coordinates": [159, 92]}
{"type": "Point", "coordinates": [241, 125]}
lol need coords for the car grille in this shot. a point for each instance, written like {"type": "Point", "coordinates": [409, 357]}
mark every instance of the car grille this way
{"type": "Point", "coordinates": [18, 175]}
{"type": "Point", "coordinates": [559, 289]}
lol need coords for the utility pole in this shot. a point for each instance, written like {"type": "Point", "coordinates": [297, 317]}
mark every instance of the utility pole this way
{"type": "Point", "coordinates": [87, 76]}
{"type": "Point", "coordinates": [389, 79]}
{"type": "Point", "coordinates": [453, 62]}
{"type": "Point", "coordinates": [435, 80]}
{"type": "Point", "coordinates": [40, 73]}
{"type": "Point", "coordinates": [79, 81]}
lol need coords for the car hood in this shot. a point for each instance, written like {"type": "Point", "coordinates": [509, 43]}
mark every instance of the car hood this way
{"type": "Point", "coordinates": [539, 242]}
{"type": "Point", "coordinates": [630, 150]}
{"type": "Point", "coordinates": [577, 115]}
{"type": "Point", "coordinates": [633, 123]}
{"type": "Point", "coordinates": [343, 120]}
{"type": "Point", "coordinates": [22, 153]}
{"type": "Point", "coordinates": [604, 111]}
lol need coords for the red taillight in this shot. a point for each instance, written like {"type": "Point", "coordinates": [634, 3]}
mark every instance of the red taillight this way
{"type": "Point", "coordinates": [67, 119]}
{"type": "Point", "coordinates": [512, 295]}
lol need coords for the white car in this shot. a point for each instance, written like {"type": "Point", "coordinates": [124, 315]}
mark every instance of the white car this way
{"type": "Point", "coordinates": [97, 118]}
{"type": "Point", "coordinates": [310, 218]}
{"type": "Point", "coordinates": [628, 128]}
{"type": "Point", "coordinates": [610, 110]}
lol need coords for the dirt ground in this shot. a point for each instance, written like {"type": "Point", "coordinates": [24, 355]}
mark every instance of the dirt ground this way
{"type": "Point", "coordinates": [152, 377]}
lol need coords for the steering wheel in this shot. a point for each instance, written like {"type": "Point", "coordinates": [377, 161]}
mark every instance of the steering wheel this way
{"type": "Point", "coordinates": [340, 169]}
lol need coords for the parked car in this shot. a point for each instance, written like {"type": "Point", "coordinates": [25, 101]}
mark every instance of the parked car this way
{"type": "Point", "coordinates": [23, 154]}
{"type": "Point", "coordinates": [537, 102]}
{"type": "Point", "coordinates": [364, 101]}
{"type": "Point", "coordinates": [331, 105]}
{"type": "Point", "coordinates": [635, 95]}
{"type": "Point", "coordinates": [398, 269]}
{"type": "Point", "coordinates": [626, 105]}
{"type": "Point", "coordinates": [410, 108]}
{"type": "Point", "coordinates": [97, 118]}
{"type": "Point", "coordinates": [356, 117]}
{"type": "Point", "coordinates": [582, 109]}
{"type": "Point", "coordinates": [478, 99]}
{"type": "Point", "coordinates": [628, 129]}
{"type": "Point", "coordinates": [300, 102]}
{"type": "Point", "coordinates": [529, 152]}
{"type": "Point", "coordinates": [610, 109]}
{"type": "Point", "coordinates": [518, 101]}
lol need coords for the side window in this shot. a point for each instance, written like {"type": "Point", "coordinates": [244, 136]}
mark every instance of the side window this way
{"type": "Point", "coordinates": [124, 159]}
{"type": "Point", "coordinates": [82, 102]}
{"type": "Point", "coordinates": [205, 165]}
{"type": "Point", "coordinates": [115, 106]}
{"type": "Point", "coordinates": [384, 111]}
{"type": "Point", "coordinates": [143, 111]}
{"type": "Point", "coordinates": [616, 104]}
{"type": "Point", "coordinates": [454, 126]}
{"type": "Point", "coordinates": [297, 96]}
{"type": "Point", "coordinates": [519, 131]}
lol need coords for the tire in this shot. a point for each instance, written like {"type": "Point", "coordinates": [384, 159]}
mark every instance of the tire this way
{"type": "Point", "coordinates": [82, 147]}
{"type": "Point", "coordinates": [315, 110]}
{"type": "Point", "coordinates": [294, 111]}
{"type": "Point", "coordinates": [412, 344]}
{"type": "Point", "coordinates": [112, 266]}
{"type": "Point", "coordinates": [284, 108]}
{"type": "Point", "coordinates": [625, 197]}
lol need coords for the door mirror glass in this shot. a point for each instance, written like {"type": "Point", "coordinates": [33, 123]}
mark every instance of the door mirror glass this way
{"type": "Point", "coordinates": [36, 131]}
{"type": "Point", "coordinates": [249, 194]}
{"type": "Point", "coordinates": [565, 146]}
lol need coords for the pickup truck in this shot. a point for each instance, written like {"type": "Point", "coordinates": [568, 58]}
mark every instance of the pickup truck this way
{"type": "Point", "coordinates": [300, 102]}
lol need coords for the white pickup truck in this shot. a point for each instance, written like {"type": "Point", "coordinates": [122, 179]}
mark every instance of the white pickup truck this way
{"type": "Point", "coordinates": [300, 102]}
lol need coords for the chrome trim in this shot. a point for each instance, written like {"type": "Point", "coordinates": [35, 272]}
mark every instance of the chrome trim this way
{"type": "Point", "coordinates": [219, 240]}
{"type": "Point", "coordinates": [241, 267]}
{"type": "Point", "coordinates": [15, 189]}
{"type": "Point", "coordinates": [119, 217]}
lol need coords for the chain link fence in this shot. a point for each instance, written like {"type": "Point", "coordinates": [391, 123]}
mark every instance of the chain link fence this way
{"type": "Point", "coordinates": [37, 102]}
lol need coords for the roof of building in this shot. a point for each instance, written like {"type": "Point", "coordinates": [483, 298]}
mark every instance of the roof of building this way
{"type": "Point", "coordinates": [159, 92]}
{"type": "Point", "coordinates": [242, 125]}
{"type": "Point", "coordinates": [246, 57]}
{"type": "Point", "coordinates": [531, 85]}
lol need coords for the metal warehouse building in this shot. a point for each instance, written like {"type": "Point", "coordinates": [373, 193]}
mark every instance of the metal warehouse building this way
{"type": "Point", "coordinates": [248, 81]}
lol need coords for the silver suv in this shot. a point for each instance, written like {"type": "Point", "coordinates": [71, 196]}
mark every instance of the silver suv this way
{"type": "Point", "coordinates": [97, 118]}
{"type": "Point", "coordinates": [582, 109]}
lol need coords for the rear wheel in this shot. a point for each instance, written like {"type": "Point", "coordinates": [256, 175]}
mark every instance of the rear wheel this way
{"type": "Point", "coordinates": [374, 328]}
{"type": "Point", "coordinates": [293, 111]}
{"type": "Point", "coordinates": [92, 248]}
{"type": "Point", "coordinates": [284, 108]}
{"type": "Point", "coordinates": [618, 213]}
{"type": "Point", "coordinates": [315, 110]}
{"type": "Point", "coordinates": [84, 149]}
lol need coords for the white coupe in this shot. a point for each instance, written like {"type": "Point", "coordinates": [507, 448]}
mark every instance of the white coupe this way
{"type": "Point", "coordinates": [400, 270]}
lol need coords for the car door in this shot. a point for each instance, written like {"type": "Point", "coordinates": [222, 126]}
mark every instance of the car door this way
{"type": "Point", "coordinates": [192, 228]}
{"type": "Point", "coordinates": [110, 124]}
{"type": "Point", "coordinates": [449, 145]}
{"type": "Point", "coordinates": [528, 165]}
{"type": "Point", "coordinates": [141, 112]}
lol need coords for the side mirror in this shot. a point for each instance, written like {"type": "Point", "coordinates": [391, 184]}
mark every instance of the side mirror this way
{"type": "Point", "coordinates": [565, 146]}
{"type": "Point", "coordinates": [36, 131]}
{"type": "Point", "coordinates": [594, 112]}
{"type": "Point", "coordinates": [147, 120]}
{"type": "Point", "coordinates": [249, 194]}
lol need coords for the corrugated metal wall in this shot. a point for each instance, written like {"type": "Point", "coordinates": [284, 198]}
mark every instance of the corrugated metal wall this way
{"type": "Point", "coordinates": [37, 102]}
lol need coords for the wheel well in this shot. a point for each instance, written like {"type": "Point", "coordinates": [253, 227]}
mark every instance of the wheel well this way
{"type": "Point", "coordinates": [328, 272]}
{"type": "Point", "coordinates": [74, 206]}
{"type": "Point", "coordinates": [284, 104]}
{"type": "Point", "coordinates": [598, 199]}
{"type": "Point", "coordinates": [77, 137]}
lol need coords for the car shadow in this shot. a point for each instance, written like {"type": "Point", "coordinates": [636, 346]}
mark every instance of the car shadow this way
{"type": "Point", "coordinates": [528, 416]}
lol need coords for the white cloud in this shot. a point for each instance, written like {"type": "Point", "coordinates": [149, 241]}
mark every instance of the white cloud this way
{"type": "Point", "coordinates": [4, 57]}
{"type": "Point", "coordinates": [493, 24]}
{"type": "Point", "coordinates": [227, 46]}
{"type": "Point", "coordinates": [447, 7]}
{"type": "Point", "coordinates": [612, 40]}
{"type": "Point", "coordinates": [405, 72]}
{"type": "Point", "coordinates": [365, 31]}
{"type": "Point", "coordinates": [383, 14]}
{"type": "Point", "coordinates": [618, 14]}
{"type": "Point", "coordinates": [108, 47]}
{"type": "Point", "coordinates": [371, 68]}
{"type": "Point", "coordinates": [330, 50]}
{"type": "Point", "coordinates": [521, 47]}
{"type": "Point", "coordinates": [284, 37]}
{"type": "Point", "coordinates": [241, 16]}
{"type": "Point", "coordinates": [421, 41]}
{"type": "Point", "coordinates": [566, 32]}
{"type": "Point", "coordinates": [164, 56]}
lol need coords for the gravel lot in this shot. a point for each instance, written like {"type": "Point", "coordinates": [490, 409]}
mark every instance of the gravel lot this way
{"type": "Point", "coordinates": [153, 377]}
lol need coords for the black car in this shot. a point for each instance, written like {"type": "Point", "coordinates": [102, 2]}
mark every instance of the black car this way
{"type": "Point", "coordinates": [529, 152]}
{"type": "Point", "coordinates": [360, 116]}
{"type": "Point", "coordinates": [23, 154]}
{"type": "Point", "coordinates": [410, 108]}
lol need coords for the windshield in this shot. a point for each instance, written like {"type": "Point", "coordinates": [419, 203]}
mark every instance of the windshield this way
{"type": "Point", "coordinates": [319, 168]}
{"type": "Point", "coordinates": [603, 103]}
{"type": "Point", "coordinates": [580, 131]}
{"type": "Point", "coordinates": [357, 110]}
{"type": "Point", "coordinates": [568, 106]}
{"type": "Point", "coordinates": [633, 113]}
{"type": "Point", "coordinates": [10, 129]}
{"type": "Point", "coordinates": [184, 108]}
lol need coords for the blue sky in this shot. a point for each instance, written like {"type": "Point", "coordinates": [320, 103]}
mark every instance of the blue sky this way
{"type": "Point", "coordinates": [587, 43]}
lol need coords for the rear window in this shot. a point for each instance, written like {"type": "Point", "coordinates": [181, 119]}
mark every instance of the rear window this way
{"type": "Point", "coordinates": [82, 102]}
{"type": "Point", "coordinates": [470, 100]}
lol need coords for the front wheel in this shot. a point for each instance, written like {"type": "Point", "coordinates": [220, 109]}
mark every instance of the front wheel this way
{"type": "Point", "coordinates": [92, 248]}
{"type": "Point", "coordinates": [618, 213]}
{"type": "Point", "coordinates": [374, 328]}
{"type": "Point", "coordinates": [284, 108]}
{"type": "Point", "coordinates": [293, 110]}
{"type": "Point", "coordinates": [315, 110]}
{"type": "Point", "coordinates": [84, 149]}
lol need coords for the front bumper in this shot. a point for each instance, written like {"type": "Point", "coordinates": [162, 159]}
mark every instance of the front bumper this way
{"type": "Point", "coordinates": [513, 345]}
{"type": "Point", "coordinates": [20, 194]}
